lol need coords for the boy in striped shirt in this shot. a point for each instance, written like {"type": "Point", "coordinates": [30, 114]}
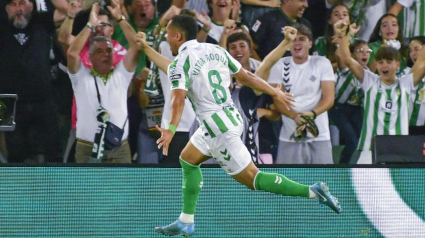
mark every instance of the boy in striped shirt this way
{"type": "Point", "coordinates": [386, 100]}
{"type": "Point", "coordinates": [202, 72]}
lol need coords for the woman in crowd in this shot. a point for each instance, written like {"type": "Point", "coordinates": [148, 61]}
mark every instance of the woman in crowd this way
{"type": "Point", "coordinates": [323, 45]}
{"type": "Point", "coordinates": [388, 32]}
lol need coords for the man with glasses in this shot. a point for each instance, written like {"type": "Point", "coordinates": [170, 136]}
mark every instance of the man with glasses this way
{"type": "Point", "coordinates": [105, 28]}
{"type": "Point", "coordinates": [99, 89]}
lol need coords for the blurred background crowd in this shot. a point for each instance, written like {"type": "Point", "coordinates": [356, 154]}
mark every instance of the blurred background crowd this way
{"type": "Point", "coordinates": [37, 34]}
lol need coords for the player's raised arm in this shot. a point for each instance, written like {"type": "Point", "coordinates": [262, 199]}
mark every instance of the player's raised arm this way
{"type": "Point", "coordinates": [253, 81]}
{"type": "Point", "coordinates": [342, 39]}
{"type": "Point", "coordinates": [160, 61]}
{"type": "Point", "coordinates": [263, 70]}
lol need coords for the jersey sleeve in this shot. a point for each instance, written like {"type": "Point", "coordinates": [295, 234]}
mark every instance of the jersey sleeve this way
{"type": "Point", "coordinates": [178, 72]}
{"type": "Point", "coordinates": [406, 3]}
{"type": "Point", "coordinates": [369, 79]}
{"type": "Point", "coordinates": [234, 65]}
{"type": "Point", "coordinates": [77, 76]}
{"type": "Point", "coordinates": [327, 70]}
{"type": "Point", "coordinates": [407, 82]}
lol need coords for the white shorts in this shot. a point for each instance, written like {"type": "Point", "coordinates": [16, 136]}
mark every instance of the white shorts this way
{"type": "Point", "coordinates": [227, 149]}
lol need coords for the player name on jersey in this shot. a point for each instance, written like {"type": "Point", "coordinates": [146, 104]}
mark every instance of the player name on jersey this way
{"type": "Point", "coordinates": [208, 58]}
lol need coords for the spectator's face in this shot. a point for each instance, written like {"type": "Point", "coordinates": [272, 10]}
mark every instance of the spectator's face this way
{"type": "Point", "coordinates": [222, 7]}
{"type": "Point", "coordinates": [19, 12]}
{"type": "Point", "coordinates": [301, 46]}
{"type": "Point", "coordinates": [142, 12]}
{"type": "Point", "coordinates": [297, 7]}
{"type": "Point", "coordinates": [414, 47]}
{"type": "Point", "coordinates": [387, 69]}
{"type": "Point", "coordinates": [172, 39]}
{"type": "Point", "coordinates": [102, 56]}
{"type": "Point", "coordinates": [389, 28]}
{"type": "Point", "coordinates": [339, 13]}
{"type": "Point", "coordinates": [104, 28]}
{"type": "Point", "coordinates": [240, 51]}
{"type": "Point", "coordinates": [362, 54]}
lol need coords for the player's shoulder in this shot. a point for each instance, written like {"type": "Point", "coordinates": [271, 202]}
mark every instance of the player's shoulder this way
{"type": "Point", "coordinates": [319, 60]}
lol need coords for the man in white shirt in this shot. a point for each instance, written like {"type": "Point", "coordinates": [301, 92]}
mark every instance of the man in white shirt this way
{"type": "Point", "coordinates": [312, 82]}
{"type": "Point", "coordinates": [202, 72]}
{"type": "Point", "coordinates": [112, 84]}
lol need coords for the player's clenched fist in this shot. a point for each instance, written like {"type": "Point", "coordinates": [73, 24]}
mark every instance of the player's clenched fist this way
{"type": "Point", "coordinates": [284, 97]}
{"type": "Point", "coordinates": [140, 38]}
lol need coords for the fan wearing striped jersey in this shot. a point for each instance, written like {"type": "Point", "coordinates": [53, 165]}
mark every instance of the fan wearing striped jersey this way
{"type": "Point", "coordinates": [347, 111]}
{"type": "Point", "coordinates": [202, 72]}
{"type": "Point", "coordinates": [386, 101]}
{"type": "Point", "coordinates": [417, 107]}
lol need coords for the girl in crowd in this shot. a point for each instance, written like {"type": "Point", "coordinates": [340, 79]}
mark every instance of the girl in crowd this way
{"type": "Point", "coordinates": [323, 45]}
{"type": "Point", "coordinates": [388, 32]}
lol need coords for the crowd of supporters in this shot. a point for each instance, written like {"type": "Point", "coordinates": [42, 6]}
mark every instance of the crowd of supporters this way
{"type": "Point", "coordinates": [338, 67]}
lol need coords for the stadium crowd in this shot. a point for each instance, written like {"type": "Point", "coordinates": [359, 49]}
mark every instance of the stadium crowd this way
{"type": "Point", "coordinates": [88, 91]}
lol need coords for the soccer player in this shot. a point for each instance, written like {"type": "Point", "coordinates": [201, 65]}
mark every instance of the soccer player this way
{"type": "Point", "coordinates": [201, 72]}
{"type": "Point", "coordinates": [386, 100]}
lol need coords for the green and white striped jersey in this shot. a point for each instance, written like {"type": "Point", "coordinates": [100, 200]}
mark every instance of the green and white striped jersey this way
{"type": "Point", "coordinates": [413, 17]}
{"type": "Point", "coordinates": [348, 89]}
{"type": "Point", "coordinates": [204, 71]}
{"type": "Point", "coordinates": [417, 106]}
{"type": "Point", "coordinates": [386, 108]}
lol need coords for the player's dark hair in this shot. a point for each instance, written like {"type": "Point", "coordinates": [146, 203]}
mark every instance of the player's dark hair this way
{"type": "Point", "coordinates": [355, 44]}
{"type": "Point", "coordinates": [187, 12]}
{"type": "Point", "coordinates": [304, 30]}
{"type": "Point", "coordinates": [238, 36]}
{"type": "Point", "coordinates": [186, 25]}
{"type": "Point", "coordinates": [387, 53]}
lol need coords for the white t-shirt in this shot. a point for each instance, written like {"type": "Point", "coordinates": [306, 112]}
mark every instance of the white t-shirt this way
{"type": "Point", "coordinates": [304, 82]}
{"type": "Point", "coordinates": [188, 116]}
{"type": "Point", "coordinates": [113, 97]}
{"type": "Point", "coordinates": [204, 71]}
{"type": "Point", "coordinates": [386, 108]}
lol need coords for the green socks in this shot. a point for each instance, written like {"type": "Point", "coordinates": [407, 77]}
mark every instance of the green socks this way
{"type": "Point", "coordinates": [279, 184]}
{"type": "Point", "coordinates": [192, 184]}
